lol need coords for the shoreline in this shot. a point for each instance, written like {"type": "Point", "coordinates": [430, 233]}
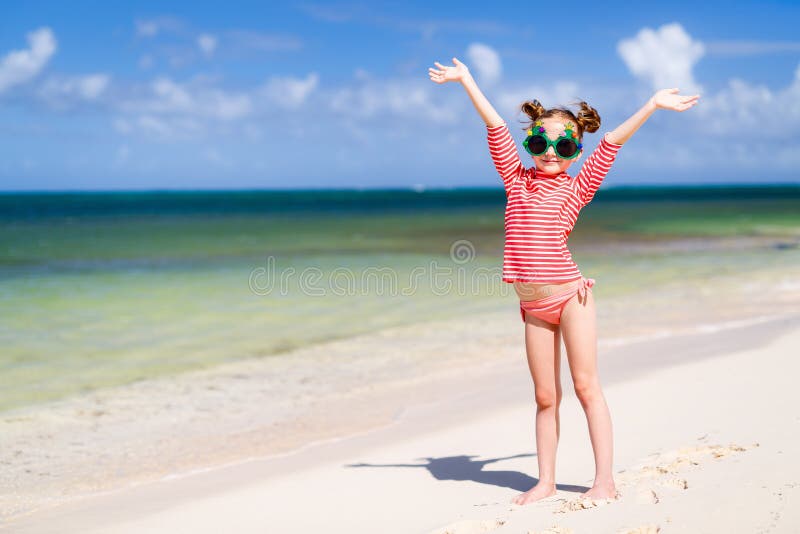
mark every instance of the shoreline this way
{"type": "Point", "coordinates": [477, 399]}
{"type": "Point", "coordinates": [71, 375]}
{"type": "Point", "coordinates": [775, 326]}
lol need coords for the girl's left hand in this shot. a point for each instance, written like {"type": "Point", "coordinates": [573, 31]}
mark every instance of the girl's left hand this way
{"type": "Point", "coordinates": [670, 99]}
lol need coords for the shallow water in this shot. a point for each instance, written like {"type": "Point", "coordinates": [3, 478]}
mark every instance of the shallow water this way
{"type": "Point", "coordinates": [104, 289]}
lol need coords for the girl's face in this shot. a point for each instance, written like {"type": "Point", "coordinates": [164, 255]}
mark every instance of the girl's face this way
{"type": "Point", "coordinates": [549, 162]}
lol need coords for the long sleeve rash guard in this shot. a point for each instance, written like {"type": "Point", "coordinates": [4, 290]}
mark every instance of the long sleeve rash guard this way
{"type": "Point", "coordinates": [541, 210]}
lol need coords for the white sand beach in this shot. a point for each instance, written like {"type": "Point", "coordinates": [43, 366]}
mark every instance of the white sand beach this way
{"type": "Point", "coordinates": [705, 425]}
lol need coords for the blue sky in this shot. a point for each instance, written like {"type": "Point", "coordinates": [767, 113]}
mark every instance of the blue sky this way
{"type": "Point", "coordinates": [191, 95]}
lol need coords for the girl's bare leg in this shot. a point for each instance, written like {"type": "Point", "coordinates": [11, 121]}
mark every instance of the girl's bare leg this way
{"type": "Point", "coordinates": [543, 347]}
{"type": "Point", "coordinates": [578, 326]}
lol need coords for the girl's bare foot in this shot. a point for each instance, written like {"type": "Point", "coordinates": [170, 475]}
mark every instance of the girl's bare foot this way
{"type": "Point", "coordinates": [539, 491]}
{"type": "Point", "coordinates": [601, 491]}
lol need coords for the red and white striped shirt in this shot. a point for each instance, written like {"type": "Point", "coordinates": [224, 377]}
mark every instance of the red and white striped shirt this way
{"type": "Point", "coordinates": [541, 210]}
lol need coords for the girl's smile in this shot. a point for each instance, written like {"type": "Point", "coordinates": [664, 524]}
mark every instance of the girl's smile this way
{"type": "Point", "coordinates": [549, 162]}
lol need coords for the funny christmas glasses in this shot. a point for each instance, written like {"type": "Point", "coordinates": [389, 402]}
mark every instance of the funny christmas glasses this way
{"type": "Point", "coordinates": [566, 146]}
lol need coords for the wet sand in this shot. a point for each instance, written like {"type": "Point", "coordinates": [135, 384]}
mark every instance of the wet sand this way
{"type": "Point", "coordinates": [703, 443]}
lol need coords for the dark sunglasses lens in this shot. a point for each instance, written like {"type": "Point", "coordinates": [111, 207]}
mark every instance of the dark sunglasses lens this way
{"type": "Point", "coordinates": [566, 148]}
{"type": "Point", "coordinates": [537, 145]}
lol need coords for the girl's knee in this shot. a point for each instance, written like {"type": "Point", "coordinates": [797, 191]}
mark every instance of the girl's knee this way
{"type": "Point", "coordinates": [547, 399]}
{"type": "Point", "coordinates": [587, 389]}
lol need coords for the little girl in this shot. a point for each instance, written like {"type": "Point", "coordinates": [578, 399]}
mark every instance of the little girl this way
{"type": "Point", "coordinates": [542, 206]}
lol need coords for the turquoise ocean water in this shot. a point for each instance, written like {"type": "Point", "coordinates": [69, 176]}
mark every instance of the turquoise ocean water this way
{"type": "Point", "coordinates": [101, 289]}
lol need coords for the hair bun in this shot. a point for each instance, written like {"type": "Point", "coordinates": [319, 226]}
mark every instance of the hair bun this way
{"type": "Point", "coordinates": [533, 109]}
{"type": "Point", "coordinates": [588, 118]}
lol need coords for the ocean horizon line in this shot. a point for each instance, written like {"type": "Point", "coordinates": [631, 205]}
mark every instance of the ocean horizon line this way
{"type": "Point", "coordinates": [418, 188]}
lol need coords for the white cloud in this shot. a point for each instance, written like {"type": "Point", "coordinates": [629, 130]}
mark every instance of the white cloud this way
{"type": "Point", "coordinates": [171, 98]}
{"type": "Point", "coordinates": [19, 66]}
{"type": "Point", "coordinates": [92, 86]}
{"type": "Point", "coordinates": [729, 124]}
{"type": "Point", "coordinates": [229, 106]}
{"type": "Point", "coordinates": [61, 92]}
{"type": "Point", "coordinates": [741, 104]}
{"type": "Point", "coordinates": [207, 43]}
{"type": "Point", "coordinates": [290, 92]}
{"type": "Point", "coordinates": [154, 125]}
{"type": "Point", "coordinates": [663, 57]}
{"type": "Point", "coordinates": [154, 26]}
{"type": "Point", "coordinates": [486, 62]}
{"type": "Point", "coordinates": [146, 28]}
{"type": "Point", "coordinates": [721, 119]}
{"type": "Point", "coordinates": [168, 127]}
{"type": "Point", "coordinates": [398, 98]}
{"type": "Point", "coordinates": [174, 109]}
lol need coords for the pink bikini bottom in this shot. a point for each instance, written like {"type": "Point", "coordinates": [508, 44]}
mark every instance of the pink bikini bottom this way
{"type": "Point", "coordinates": [549, 308]}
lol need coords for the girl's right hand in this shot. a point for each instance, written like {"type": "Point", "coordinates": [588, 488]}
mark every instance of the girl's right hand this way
{"type": "Point", "coordinates": [672, 100]}
{"type": "Point", "coordinates": [448, 74]}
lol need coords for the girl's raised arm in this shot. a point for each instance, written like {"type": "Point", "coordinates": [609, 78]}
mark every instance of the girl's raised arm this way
{"type": "Point", "coordinates": [460, 73]}
{"type": "Point", "coordinates": [501, 145]}
{"type": "Point", "coordinates": [663, 99]}
{"type": "Point", "coordinates": [599, 162]}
